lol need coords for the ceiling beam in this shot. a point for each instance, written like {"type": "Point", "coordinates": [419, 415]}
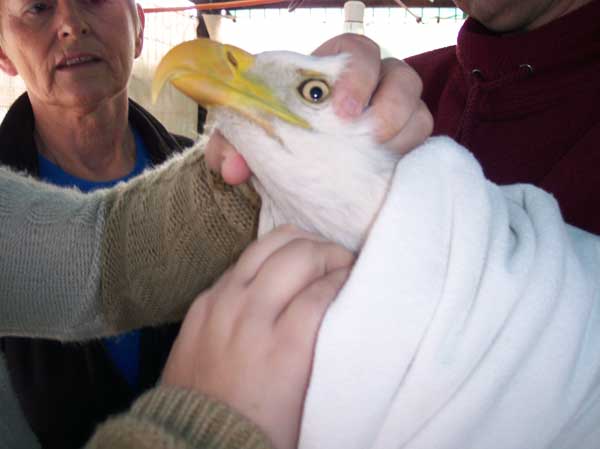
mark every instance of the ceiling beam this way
{"type": "Point", "coordinates": [340, 3]}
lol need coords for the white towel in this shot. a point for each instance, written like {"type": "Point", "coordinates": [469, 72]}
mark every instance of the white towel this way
{"type": "Point", "coordinates": [470, 320]}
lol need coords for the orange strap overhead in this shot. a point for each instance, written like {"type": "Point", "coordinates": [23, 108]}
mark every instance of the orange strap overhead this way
{"type": "Point", "coordinates": [210, 6]}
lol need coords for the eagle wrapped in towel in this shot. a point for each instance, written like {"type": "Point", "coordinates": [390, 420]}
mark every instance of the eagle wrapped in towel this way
{"type": "Point", "coordinates": [470, 319]}
{"type": "Point", "coordinates": [310, 168]}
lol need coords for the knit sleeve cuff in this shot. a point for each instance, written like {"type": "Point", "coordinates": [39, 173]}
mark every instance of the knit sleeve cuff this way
{"type": "Point", "coordinates": [169, 417]}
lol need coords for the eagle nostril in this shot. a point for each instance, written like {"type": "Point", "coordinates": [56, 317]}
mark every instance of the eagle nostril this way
{"type": "Point", "coordinates": [232, 59]}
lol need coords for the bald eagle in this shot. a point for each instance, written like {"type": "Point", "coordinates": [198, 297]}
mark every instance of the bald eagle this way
{"type": "Point", "coordinates": [473, 307]}
{"type": "Point", "coordinates": [310, 168]}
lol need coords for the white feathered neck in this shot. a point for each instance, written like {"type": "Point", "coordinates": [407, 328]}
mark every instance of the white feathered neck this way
{"type": "Point", "coordinates": [331, 179]}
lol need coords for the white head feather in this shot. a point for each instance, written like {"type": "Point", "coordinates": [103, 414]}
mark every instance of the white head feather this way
{"type": "Point", "coordinates": [330, 179]}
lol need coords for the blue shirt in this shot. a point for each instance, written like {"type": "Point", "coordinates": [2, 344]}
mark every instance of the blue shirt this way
{"type": "Point", "coordinates": [124, 350]}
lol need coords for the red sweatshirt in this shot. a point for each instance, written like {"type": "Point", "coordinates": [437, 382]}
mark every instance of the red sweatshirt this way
{"type": "Point", "coordinates": [527, 105]}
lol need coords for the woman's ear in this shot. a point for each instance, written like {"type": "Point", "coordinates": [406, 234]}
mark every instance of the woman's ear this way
{"type": "Point", "coordinates": [6, 64]}
{"type": "Point", "coordinates": [139, 39]}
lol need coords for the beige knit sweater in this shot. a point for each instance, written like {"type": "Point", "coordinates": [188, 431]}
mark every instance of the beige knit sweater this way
{"type": "Point", "coordinates": [171, 418]}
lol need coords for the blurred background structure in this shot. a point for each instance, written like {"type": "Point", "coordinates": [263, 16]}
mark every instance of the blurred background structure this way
{"type": "Point", "coordinates": [163, 31]}
{"type": "Point", "coordinates": [401, 27]}
{"type": "Point", "coordinates": [400, 31]}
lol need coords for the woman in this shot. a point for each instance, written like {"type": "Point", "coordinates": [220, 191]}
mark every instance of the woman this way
{"type": "Point", "coordinates": [76, 126]}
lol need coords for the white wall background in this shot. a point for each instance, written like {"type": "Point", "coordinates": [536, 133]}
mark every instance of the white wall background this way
{"type": "Point", "coordinates": [163, 31]}
{"type": "Point", "coordinates": [394, 29]}
{"type": "Point", "coordinates": [10, 88]}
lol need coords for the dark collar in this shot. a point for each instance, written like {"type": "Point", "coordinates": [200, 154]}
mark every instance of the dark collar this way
{"type": "Point", "coordinates": [17, 146]}
{"type": "Point", "coordinates": [18, 149]}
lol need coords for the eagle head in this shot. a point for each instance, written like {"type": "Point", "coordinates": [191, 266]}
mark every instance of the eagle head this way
{"type": "Point", "coordinates": [310, 167]}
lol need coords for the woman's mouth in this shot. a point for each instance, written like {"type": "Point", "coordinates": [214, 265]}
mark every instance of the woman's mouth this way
{"type": "Point", "coordinates": [77, 61]}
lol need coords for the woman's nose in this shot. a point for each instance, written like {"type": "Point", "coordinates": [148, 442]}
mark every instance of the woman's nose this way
{"type": "Point", "coordinates": [71, 22]}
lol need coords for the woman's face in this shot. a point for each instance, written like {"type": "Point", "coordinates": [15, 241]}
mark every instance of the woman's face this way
{"type": "Point", "coordinates": [70, 52]}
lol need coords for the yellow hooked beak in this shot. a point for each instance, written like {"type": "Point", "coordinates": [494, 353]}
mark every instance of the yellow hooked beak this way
{"type": "Point", "coordinates": [214, 74]}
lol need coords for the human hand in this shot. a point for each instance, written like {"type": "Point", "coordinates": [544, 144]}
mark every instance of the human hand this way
{"type": "Point", "coordinates": [386, 91]}
{"type": "Point", "coordinates": [249, 340]}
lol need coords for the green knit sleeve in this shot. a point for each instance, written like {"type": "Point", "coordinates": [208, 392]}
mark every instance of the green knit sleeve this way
{"type": "Point", "coordinates": [50, 250]}
{"type": "Point", "coordinates": [169, 235]}
{"type": "Point", "coordinates": [171, 418]}
{"type": "Point", "coordinates": [76, 266]}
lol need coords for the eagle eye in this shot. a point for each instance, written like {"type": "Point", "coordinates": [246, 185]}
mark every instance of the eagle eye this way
{"type": "Point", "coordinates": [314, 90]}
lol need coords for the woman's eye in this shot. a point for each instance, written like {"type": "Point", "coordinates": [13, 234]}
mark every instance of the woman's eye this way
{"type": "Point", "coordinates": [314, 90]}
{"type": "Point", "coordinates": [38, 8]}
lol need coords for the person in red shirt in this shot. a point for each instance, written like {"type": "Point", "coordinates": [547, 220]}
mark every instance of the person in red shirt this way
{"type": "Point", "coordinates": [520, 90]}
